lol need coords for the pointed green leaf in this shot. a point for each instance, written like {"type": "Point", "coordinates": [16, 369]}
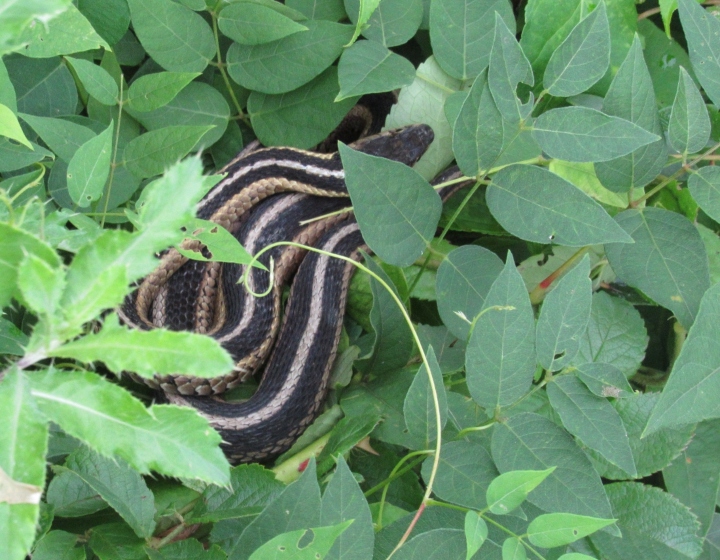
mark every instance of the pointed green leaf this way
{"type": "Point", "coordinates": [704, 186]}
{"type": "Point", "coordinates": [89, 168]}
{"type": "Point", "coordinates": [667, 261]}
{"type": "Point", "coordinates": [582, 58]}
{"type": "Point", "coordinates": [294, 545]}
{"type": "Point", "coordinates": [12, 339]}
{"type": "Point", "coordinates": [701, 32]}
{"type": "Point", "coordinates": [58, 545]}
{"type": "Point", "coordinates": [153, 91]}
{"type": "Point", "coordinates": [40, 284]}
{"type": "Point", "coordinates": [500, 358]}
{"type": "Point", "coordinates": [221, 244]}
{"type": "Point", "coordinates": [44, 86]}
{"type": "Point", "coordinates": [631, 97]}
{"type": "Point", "coordinates": [557, 529]}
{"type": "Point", "coordinates": [364, 13]}
{"type": "Point", "coordinates": [511, 489]}
{"type": "Point", "coordinates": [177, 38]}
{"type": "Point", "coordinates": [254, 24]}
{"type": "Point", "coordinates": [513, 549]}
{"type": "Point", "coordinates": [582, 134]}
{"type": "Point", "coordinates": [10, 127]}
{"type": "Point", "coordinates": [69, 32]}
{"type": "Point", "coordinates": [476, 532]}
{"type": "Point", "coordinates": [96, 80]}
{"type": "Point", "coordinates": [62, 137]}
{"type": "Point", "coordinates": [392, 23]}
{"type": "Point", "coordinates": [564, 317]}
{"type": "Point", "coordinates": [604, 380]}
{"type": "Point", "coordinates": [689, 126]}
{"type": "Point", "coordinates": [17, 16]}
{"type": "Point", "coordinates": [537, 205]}
{"type": "Point", "coordinates": [421, 416]}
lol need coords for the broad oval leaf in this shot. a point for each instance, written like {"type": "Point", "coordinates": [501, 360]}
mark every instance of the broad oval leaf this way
{"type": "Point", "coordinates": [89, 168]}
{"type": "Point", "coordinates": [152, 91]}
{"type": "Point", "coordinates": [689, 126]}
{"type": "Point", "coordinates": [62, 137]}
{"type": "Point", "coordinates": [704, 186]}
{"type": "Point", "coordinates": [582, 134]}
{"type": "Point", "coordinates": [435, 544]}
{"type": "Point", "coordinates": [701, 32]}
{"type": "Point", "coordinates": [557, 529]}
{"type": "Point", "coordinates": [10, 126]}
{"type": "Point", "coordinates": [392, 23]}
{"type": "Point", "coordinates": [476, 531]}
{"type": "Point", "coordinates": [668, 260]}
{"type": "Point", "coordinates": [537, 205]}
{"type": "Point", "coordinates": [510, 489]}
{"type": "Point", "coordinates": [254, 24]}
{"type": "Point", "coordinates": [96, 80]}
{"type": "Point", "coordinates": [421, 416]}
{"type": "Point", "coordinates": [294, 544]}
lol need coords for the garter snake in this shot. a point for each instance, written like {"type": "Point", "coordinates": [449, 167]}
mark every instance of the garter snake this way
{"type": "Point", "coordinates": [265, 195]}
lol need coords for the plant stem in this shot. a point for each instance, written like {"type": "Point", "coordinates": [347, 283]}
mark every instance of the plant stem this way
{"type": "Point", "coordinates": [113, 163]}
{"type": "Point", "coordinates": [221, 68]}
{"type": "Point", "coordinates": [538, 294]}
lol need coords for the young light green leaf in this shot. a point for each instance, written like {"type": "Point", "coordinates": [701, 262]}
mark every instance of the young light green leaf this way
{"type": "Point", "coordinates": [343, 500]}
{"type": "Point", "coordinates": [287, 545]}
{"type": "Point", "coordinates": [513, 549]}
{"type": "Point", "coordinates": [103, 290]}
{"type": "Point", "coordinates": [592, 420]}
{"type": "Point", "coordinates": [689, 126]}
{"type": "Point", "coordinates": [69, 32]}
{"type": "Point", "coordinates": [96, 80]}
{"type": "Point", "coordinates": [17, 16]}
{"type": "Point", "coordinates": [177, 38]}
{"type": "Point", "coordinates": [604, 380]}
{"type": "Point", "coordinates": [369, 67]}
{"type": "Point", "coordinates": [254, 24]}
{"type": "Point", "coordinates": [651, 520]}
{"type": "Point", "coordinates": [537, 205]}
{"type": "Point", "coordinates": [511, 489]}
{"type": "Point", "coordinates": [10, 127]}
{"type": "Point", "coordinates": [153, 152]}
{"type": "Point", "coordinates": [171, 440]}
{"type": "Point", "coordinates": [62, 137]}
{"type": "Point", "coordinates": [461, 34]}
{"type": "Point", "coordinates": [704, 186]}
{"type": "Point", "coordinates": [286, 64]}
{"type": "Point", "coordinates": [531, 442]}
{"type": "Point", "coordinates": [509, 67]}
{"type": "Point", "coordinates": [564, 317]}
{"type": "Point", "coordinates": [701, 32]}
{"type": "Point", "coordinates": [476, 532]}
{"type": "Point", "coordinates": [557, 529]}
{"type": "Point", "coordinates": [223, 246]}
{"type": "Point", "coordinates": [583, 134]}
{"type": "Point", "coordinates": [462, 284]}
{"type": "Point", "coordinates": [421, 416]}
{"type": "Point", "coordinates": [582, 58]}
{"type": "Point", "coordinates": [500, 358]}
{"type": "Point", "coordinates": [149, 352]}
{"type": "Point", "coordinates": [40, 284]}
{"type": "Point", "coordinates": [120, 486]}
{"type": "Point", "coordinates": [152, 91]}
{"type": "Point", "coordinates": [667, 261]}
{"type": "Point", "coordinates": [398, 211]}
{"type": "Point", "coordinates": [631, 97]}
{"type": "Point", "coordinates": [694, 380]}
{"type": "Point", "coordinates": [303, 117]}
{"type": "Point", "coordinates": [89, 168]}
{"type": "Point", "coordinates": [12, 339]}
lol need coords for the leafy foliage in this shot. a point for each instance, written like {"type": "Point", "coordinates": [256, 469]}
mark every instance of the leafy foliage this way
{"type": "Point", "coordinates": [560, 329]}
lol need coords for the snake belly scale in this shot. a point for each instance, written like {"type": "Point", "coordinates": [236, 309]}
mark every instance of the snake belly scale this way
{"type": "Point", "coordinates": [265, 195]}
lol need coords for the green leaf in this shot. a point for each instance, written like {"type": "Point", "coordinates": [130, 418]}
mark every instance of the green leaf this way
{"type": "Point", "coordinates": [154, 151]}
{"type": "Point", "coordinates": [110, 18]}
{"type": "Point", "coordinates": [345, 435]}
{"type": "Point", "coordinates": [17, 16]}
{"type": "Point", "coordinates": [149, 352]}
{"type": "Point", "coordinates": [153, 91]}
{"type": "Point", "coordinates": [537, 205]}
{"type": "Point", "coordinates": [631, 97]}
{"type": "Point", "coordinates": [615, 335]}
{"type": "Point", "coordinates": [364, 12]}
{"type": "Point", "coordinates": [392, 23]}
{"type": "Point", "coordinates": [12, 339]}
{"type": "Point", "coordinates": [23, 444]}
{"type": "Point", "coordinates": [464, 474]}
{"type": "Point", "coordinates": [188, 549]}
{"type": "Point", "coordinates": [254, 24]}
{"type": "Point", "coordinates": [10, 127]}
{"type": "Point", "coordinates": [40, 284]}
{"type": "Point", "coordinates": [513, 549]}
{"type": "Point", "coordinates": [511, 489]}
{"type": "Point", "coordinates": [70, 496]}
{"type": "Point", "coordinates": [44, 87]}
{"type": "Point", "coordinates": [177, 38]}
{"type": "Point", "coordinates": [460, 33]}
{"type": "Point", "coordinates": [693, 476]}
{"type": "Point", "coordinates": [701, 31]}
{"type": "Point", "coordinates": [650, 452]}
{"type": "Point", "coordinates": [89, 168]}
{"type": "Point", "coordinates": [582, 58]}
{"type": "Point", "coordinates": [369, 67]}
{"type": "Point", "coordinates": [704, 186]}
{"type": "Point", "coordinates": [286, 64]}
{"type": "Point", "coordinates": [398, 211]}
{"type": "Point", "coordinates": [557, 529]}
{"type": "Point", "coordinates": [582, 134]}
{"type": "Point", "coordinates": [653, 524]}
{"type": "Point", "coordinates": [223, 246]}
{"type": "Point", "coordinates": [296, 508]}
{"type": "Point", "coordinates": [592, 420]}
{"type": "Point", "coordinates": [96, 80]}
{"type": "Point", "coordinates": [15, 156]}
{"type": "Point", "coordinates": [421, 416]}
{"type": "Point", "coordinates": [69, 32]}
{"type": "Point", "coordinates": [170, 440]}
{"type": "Point", "coordinates": [476, 532]}
{"type": "Point", "coordinates": [116, 541]}
{"type": "Point", "coordinates": [530, 442]}
{"type": "Point", "coordinates": [436, 544]}
{"type": "Point", "coordinates": [500, 358]}
{"type": "Point", "coordinates": [667, 261]}
{"type": "Point", "coordinates": [689, 126]}
{"type": "Point", "coordinates": [119, 485]}
{"type": "Point", "coordinates": [300, 118]}
{"type": "Point", "coordinates": [288, 545]}
{"type": "Point", "coordinates": [564, 317]}
{"type": "Point", "coordinates": [62, 137]}
{"type": "Point", "coordinates": [343, 500]}
{"type": "Point", "coordinates": [688, 394]}
{"type": "Point", "coordinates": [58, 545]}
{"type": "Point", "coordinates": [463, 282]}
{"type": "Point", "coordinates": [604, 380]}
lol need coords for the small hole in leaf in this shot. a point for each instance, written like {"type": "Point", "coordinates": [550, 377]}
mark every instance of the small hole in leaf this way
{"type": "Point", "coordinates": [559, 355]}
{"type": "Point", "coordinates": [281, 548]}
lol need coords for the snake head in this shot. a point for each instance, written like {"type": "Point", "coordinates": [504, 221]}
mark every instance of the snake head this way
{"type": "Point", "coordinates": [406, 144]}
